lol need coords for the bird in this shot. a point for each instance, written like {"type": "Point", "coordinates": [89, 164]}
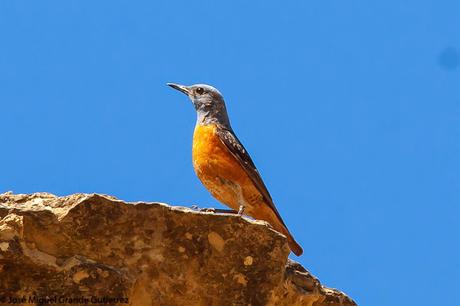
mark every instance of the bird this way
{"type": "Point", "coordinates": [224, 166]}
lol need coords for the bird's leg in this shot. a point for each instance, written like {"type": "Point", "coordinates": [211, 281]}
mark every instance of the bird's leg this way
{"type": "Point", "coordinates": [241, 210]}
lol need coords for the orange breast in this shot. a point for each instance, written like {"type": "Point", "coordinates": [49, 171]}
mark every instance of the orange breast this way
{"type": "Point", "coordinates": [217, 169]}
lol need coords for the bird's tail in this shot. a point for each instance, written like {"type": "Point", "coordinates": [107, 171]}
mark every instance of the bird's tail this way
{"type": "Point", "coordinates": [293, 245]}
{"type": "Point", "coordinates": [277, 223]}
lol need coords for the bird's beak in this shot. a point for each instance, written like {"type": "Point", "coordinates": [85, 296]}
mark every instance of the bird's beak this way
{"type": "Point", "coordinates": [181, 88]}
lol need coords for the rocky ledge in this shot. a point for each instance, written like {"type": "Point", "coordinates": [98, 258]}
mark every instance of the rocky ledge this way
{"type": "Point", "coordinates": [88, 249]}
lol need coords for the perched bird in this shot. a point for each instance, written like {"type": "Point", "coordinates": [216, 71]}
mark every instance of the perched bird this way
{"type": "Point", "coordinates": [224, 166]}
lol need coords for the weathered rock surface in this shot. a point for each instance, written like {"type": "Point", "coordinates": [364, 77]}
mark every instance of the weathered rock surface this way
{"type": "Point", "coordinates": [88, 249]}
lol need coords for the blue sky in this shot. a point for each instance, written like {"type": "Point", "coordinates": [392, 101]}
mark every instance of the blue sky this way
{"type": "Point", "coordinates": [350, 110]}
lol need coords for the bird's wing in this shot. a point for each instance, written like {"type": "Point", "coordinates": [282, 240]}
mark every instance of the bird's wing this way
{"type": "Point", "coordinates": [239, 152]}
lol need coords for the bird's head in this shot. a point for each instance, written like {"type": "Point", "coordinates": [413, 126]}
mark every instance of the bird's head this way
{"type": "Point", "coordinates": [207, 100]}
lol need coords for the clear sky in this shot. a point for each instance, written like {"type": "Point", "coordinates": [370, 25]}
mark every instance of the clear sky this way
{"type": "Point", "coordinates": [350, 110]}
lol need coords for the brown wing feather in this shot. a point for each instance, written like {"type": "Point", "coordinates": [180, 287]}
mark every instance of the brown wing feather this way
{"type": "Point", "coordinates": [239, 152]}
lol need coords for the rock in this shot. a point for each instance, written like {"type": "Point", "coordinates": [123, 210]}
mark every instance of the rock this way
{"type": "Point", "coordinates": [94, 249]}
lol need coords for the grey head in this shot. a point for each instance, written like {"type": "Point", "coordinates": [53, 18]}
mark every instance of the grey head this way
{"type": "Point", "coordinates": [208, 102]}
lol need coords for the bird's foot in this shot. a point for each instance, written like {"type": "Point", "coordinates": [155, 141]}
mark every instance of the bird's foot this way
{"type": "Point", "coordinates": [241, 210]}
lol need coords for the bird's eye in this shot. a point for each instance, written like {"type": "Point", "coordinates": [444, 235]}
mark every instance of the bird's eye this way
{"type": "Point", "coordinates": [199, 90]}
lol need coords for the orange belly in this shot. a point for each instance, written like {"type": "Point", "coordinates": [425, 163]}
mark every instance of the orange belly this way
{"type": "Point", "coordinates": [220, 172]}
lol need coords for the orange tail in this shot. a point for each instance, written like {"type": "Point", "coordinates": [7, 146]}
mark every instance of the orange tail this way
{"type": "Point", "coordinates": [277, 223]}
{"type": "Point", "coordinates": [294, 246]}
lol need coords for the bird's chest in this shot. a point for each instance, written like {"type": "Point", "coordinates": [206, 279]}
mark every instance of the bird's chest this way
{"type": "Point", "coordinates": [213, 163]}
{"type": "Point", "coordinates": [208, 151]}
